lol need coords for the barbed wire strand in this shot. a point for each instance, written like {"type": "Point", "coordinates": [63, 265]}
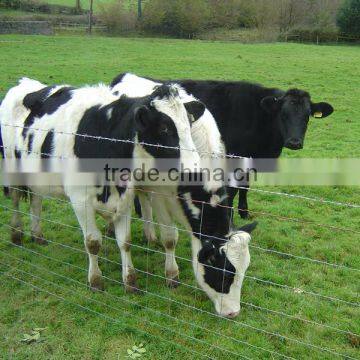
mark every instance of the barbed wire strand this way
{"type": "Point", "coordinates": [320, 262]}
{"type": "Point", "coordinates": [269, 192]}
{"type": "Point", "coordinates": [287, 287]}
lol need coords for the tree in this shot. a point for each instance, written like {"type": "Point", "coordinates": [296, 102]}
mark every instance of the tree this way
{"type": "Point", "coordinates": [78, 6]}
{"type": "Point", "coordinates": [348, 18]}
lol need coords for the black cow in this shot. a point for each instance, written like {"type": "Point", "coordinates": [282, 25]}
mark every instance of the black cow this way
{"type": "Point", "coordinates": [256, 121]}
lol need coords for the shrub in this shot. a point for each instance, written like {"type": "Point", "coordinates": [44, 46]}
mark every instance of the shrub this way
{"type": "Point", "coordinates": [117, 17]}
{"type": "Point", "coordinates": [348, 18]}
{"type": "Point", "coordinates": [182, 18]}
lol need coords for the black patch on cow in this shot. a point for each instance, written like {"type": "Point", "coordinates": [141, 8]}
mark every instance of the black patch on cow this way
{"type": "Point", "coordinates": [47, 145]}
{"type": "Point", "coordinates": [118, 79]}
{"type": "Point", "coordinates": [104, 196]}
{"type": "Point", "coordinates": [17, 153]}
{"type": "Point", "coordinates": [219, 271]}
{"type": "Point", "coordinates": [40, 103]}
{"type": "Point", "coordinates": [2, 150]}
{"type": "Point", "coordinates": [160, 130]}
{"type": "Point", "coordinates": [120, 189]}
{"type": "Point", "coordinates": [34, 100]}
{"type": "Point", "coordinates": [30, 143]}
{"type": "Point", "coordinates": [95, 123]}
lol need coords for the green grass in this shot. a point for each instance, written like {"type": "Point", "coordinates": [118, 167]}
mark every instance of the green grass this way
{"type": "Point", "coordinates": [330, 73]}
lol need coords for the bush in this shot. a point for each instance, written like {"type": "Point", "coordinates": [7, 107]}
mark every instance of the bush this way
{"type": "Point", "coordinates": [117, 17]}
{"type": "Point", "coordinates": [313, 35]}
{"type": "Point", "coordinates": [42, 7]}
{"type": "Point", "coordinates": [182, 18]}
{"type": "Point", "coordinates": [348, 18]}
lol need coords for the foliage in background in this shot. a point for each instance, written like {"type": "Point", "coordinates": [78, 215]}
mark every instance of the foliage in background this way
{"type": "Point", "coordinates": [117, 16]}
{"type": "Point", "coordinates": [181, 18]}
{"type": "Point", "coordinates": [36, 6]}
{"type": "Point", "coordinates": [306, 20]}
{"type": "Point", "coordinates": [348, 18]}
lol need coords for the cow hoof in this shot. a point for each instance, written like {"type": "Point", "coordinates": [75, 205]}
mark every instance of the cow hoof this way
{"type": "Point", "coordinates": [244, 214]}
{"type": "Point", "coordinates": [39, 239]}
{"type": "Point", "coordinates": [131, 289]}
{"type": "Point", "coordinates": [173, 283]}
{"type": "Point", "coordinates": [16, 237]}
{"type": "Point", "coordinates": [130, 283]}
{"type": "Point", "coordinates": [97, 284]}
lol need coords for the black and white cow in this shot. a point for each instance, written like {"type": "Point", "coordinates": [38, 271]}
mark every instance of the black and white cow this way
{"type": "Point", "coordinates": [220, 257]}
{"type": "Point", "coordinates": [254, 121]}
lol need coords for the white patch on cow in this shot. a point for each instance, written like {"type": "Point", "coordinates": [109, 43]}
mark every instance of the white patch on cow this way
{"type": "Point", "coordinates": [173, 107]}
{"type": "Point", "coordinates": [216, 199]}
{"type": "Point", "coordinates": [109, 113]}
{"type": "Point", "coordinates": [195, 211]}
{"type": "Point", "coordinates": [134, 86]}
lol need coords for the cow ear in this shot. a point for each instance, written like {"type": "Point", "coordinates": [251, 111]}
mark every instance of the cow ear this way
{"type": "Point", "coordinates": [321, 110]}
{"type": "Point", "coordinates": [206, 252]}
{"type": "Point", "coordinates": [142, 117]}
{"type": "Point", "coordinates": [270, 104]}
{"type": "Point", "coordinates": [249, 227]}
{"type": "Point", "coordinates": [195, 108]}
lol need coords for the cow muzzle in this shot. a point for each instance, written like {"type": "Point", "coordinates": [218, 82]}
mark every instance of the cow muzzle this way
{"type": "Point", "coordinates": [294, 144]}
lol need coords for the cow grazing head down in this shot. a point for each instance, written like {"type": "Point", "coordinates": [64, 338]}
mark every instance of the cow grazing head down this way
{"type": "Point", "coordinates": [166, 120]}
{"type": "Point", "coordinates": [292, 111]}
{"type": "Point", "coordinates": [220, 269]}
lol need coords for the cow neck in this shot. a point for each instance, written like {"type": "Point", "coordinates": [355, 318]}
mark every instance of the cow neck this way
{"type": "Point", "coordinates": [207, 222]}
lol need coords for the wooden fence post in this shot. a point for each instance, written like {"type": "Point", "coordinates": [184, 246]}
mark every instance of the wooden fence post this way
{"type": "Point", "coordinates": [90, 16]}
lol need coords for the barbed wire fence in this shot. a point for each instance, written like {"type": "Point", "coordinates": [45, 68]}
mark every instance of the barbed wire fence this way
{"type": "Point", "coordinates": [160, 314]}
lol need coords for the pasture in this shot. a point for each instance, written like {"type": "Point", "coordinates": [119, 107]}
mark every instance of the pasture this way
{"type": "Point", "coordinates": [291, 305]}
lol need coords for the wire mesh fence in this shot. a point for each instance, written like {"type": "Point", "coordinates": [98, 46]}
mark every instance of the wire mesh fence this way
{"type": "Point", "coordinates": [288, 297]}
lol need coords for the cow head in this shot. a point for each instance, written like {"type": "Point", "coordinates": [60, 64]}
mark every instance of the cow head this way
{"type": "Point", "coordinates": [220, 270]}
{"type": "Point", "coordinates": [292, 111]}
{"type": "Point", "coordinates": [164, 120]}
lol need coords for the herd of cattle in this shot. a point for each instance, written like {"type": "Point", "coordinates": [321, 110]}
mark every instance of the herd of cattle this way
{"type": "Point", "coordinates": [184, 119]}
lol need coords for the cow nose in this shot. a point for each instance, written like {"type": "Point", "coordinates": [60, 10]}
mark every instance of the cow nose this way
{"type": "Point", "coordinates": [294, 144]}
{"type": "Point", "coordinates": [232, 314]}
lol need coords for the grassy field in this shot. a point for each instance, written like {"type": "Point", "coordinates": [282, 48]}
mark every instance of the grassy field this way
{"type": "Point", "coordinates": [107, 330]}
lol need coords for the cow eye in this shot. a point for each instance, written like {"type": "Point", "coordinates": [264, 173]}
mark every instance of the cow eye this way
{"type": "Point", "coordinates": [164, 130]}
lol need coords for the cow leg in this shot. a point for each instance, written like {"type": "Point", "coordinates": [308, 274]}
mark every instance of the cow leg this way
{"type": "Point", "coordinates": [123, 238]}
{"type": "Point", "coordinates": [16, 223]}
{"type": "Point", "coordinates": [147, 216]}
{"type": "Point", "coordinates": [35, 212]}
{"type": "Point", "coordinates": [243, 205]}
{"type": "Point", "coordinates": [169, 238]}
{"type": "Point", "coordinates": [85, 214]}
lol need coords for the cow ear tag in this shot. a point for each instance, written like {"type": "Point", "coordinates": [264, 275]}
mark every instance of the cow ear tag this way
{"type": "Point", "coordinates": [318, 114]}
